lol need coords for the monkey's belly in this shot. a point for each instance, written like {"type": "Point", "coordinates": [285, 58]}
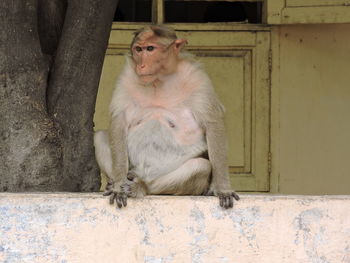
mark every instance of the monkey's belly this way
{"type": "Point", "coordinates": [154, 151]}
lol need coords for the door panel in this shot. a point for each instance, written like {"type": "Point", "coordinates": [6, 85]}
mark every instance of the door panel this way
{"type": "Point", "coordinates": [231, 82]}
{"type": "Point", "coordinates": [300, 3]}
{"type": "Point", "coordinates": [308, 11]}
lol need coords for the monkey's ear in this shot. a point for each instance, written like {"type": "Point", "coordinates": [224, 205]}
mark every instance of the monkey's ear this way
{"type": "Point", "coordinates": [179, 44]}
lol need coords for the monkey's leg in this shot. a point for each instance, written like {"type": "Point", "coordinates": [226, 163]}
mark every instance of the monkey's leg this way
{"type": "Point", "coordinates": [192, 178]}
{"type": "Point", "coordinates": [132, 187]}
{"type": "Point", "coordinates": [103, 152]}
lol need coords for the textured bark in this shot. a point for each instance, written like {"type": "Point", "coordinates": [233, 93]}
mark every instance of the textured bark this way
{"type": "Point", "coordinates": [51, 56]}
{"type": "Point", "coordinates": [51, 16]}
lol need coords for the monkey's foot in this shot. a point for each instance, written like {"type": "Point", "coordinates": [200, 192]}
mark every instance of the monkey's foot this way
{"type": "Point", "coordinates": [118, 195]}
{"type": "Point", "coordinates": [129, 188]}
{"type": "Point", "coordinates": [133, 187]}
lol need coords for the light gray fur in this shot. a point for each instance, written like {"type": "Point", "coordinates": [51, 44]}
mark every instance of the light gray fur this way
{"type": "Point", "coordinates": [150, 149]}
{"type": "Point", "coordinates": [153, 152]}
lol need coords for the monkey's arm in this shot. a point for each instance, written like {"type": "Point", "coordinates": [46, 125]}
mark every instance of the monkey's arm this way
{"type": "Point", "coordinates": [217, 151]}
{"type": "Point", "coordinates": [120, 162]}
{"type": "Point", "coordinates": [209, 112]}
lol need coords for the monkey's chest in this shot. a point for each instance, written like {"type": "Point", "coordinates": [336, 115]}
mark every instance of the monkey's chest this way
{"type": "Point", "coordinates": [159, 141]}
{"type": "Point", "coordinates": [178, 124]}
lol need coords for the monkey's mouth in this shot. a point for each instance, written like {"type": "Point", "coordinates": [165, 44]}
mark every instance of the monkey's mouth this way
{"type": "Point", "coordinates": [146, 74]}
{"type": "Point", "coordinates": [147, 78]}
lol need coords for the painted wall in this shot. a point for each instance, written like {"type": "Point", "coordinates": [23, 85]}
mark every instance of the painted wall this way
{"type": "Point", "coordinates": [85, 228]}
{"type": "Point", "coordinates": [312, 80]}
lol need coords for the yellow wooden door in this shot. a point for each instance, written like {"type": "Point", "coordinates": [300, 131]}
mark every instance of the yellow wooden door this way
{"type": "Point", "coordinates": [307, 11]}
{"type": "Point", "coordinates": [236, 57]}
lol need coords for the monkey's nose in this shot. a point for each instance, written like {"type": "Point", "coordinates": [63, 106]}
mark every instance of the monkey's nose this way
{"type": "Point", "coordinates": [141, 66]}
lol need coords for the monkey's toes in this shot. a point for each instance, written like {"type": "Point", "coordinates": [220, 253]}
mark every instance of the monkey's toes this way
{"type": "Point", "coordinates": [236, 196]}
{"type": "Point", "coordinates": [119, 197]}
{"type": "Point", "coordinates": [226, 200]}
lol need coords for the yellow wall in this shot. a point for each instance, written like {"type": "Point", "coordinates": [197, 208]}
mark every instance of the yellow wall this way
{"type": "Point", "coordinates": [311, 99]}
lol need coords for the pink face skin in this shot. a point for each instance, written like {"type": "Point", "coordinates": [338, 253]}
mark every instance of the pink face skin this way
{"type": "Point", "coordinates": [153, 59]}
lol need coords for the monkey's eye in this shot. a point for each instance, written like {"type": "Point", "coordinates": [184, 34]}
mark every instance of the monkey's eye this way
{"type": "Point", "coordinates": [150, 48]}
{"type": "Point", "coordinates": [138, 49]}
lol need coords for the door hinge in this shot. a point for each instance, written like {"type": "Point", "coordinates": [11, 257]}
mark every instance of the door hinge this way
{"type": "Point", "coordinates": [269, 163]}
{"type": "Point", "coordinates": [270, 60]}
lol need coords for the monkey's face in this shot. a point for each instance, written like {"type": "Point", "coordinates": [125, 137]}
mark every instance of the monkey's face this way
{"type": "Point", "coordinates": [152, 58]}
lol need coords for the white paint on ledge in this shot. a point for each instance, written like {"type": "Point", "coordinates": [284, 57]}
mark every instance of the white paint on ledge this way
{"type": "Point", "coordinates": [67, 227]}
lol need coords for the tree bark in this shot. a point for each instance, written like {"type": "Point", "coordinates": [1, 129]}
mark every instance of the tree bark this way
{"type": "Point", "coordinates": [51, 16]}
{"type": "Point", "coordinates": [51, 56]}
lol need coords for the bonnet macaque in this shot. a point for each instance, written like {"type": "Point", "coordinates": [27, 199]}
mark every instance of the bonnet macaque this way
{"type": "Point", "coordinates": [166, 134]}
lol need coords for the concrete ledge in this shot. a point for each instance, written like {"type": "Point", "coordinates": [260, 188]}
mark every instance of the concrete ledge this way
{"type": "Point", "coordinates": [66, 227]}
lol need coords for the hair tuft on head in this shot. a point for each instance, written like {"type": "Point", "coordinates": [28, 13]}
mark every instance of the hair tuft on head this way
{"type": "Point", "coordinates": [165, 33]}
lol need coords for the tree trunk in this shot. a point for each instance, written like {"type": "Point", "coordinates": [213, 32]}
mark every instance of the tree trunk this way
{"type": "Point", "coordinates": [51, 56]}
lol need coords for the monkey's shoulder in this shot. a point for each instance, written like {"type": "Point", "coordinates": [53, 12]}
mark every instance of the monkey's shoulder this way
{"type": "Point", "coordinates": [203, 101]}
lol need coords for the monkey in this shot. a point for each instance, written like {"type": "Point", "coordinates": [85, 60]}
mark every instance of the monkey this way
{"type": "Point", "coordinates": [167, 134]}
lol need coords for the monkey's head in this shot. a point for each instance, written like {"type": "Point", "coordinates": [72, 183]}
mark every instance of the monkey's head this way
{"type": "Point", "coordinates": [155, 52]}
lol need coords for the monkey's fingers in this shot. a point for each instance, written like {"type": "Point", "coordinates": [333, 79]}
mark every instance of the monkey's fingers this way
{"type": "Point", "coordinates": [121, 200]}
{"type": "Point", "coordinates": [222, 200]}
{"type": "Point", "coordinates": [125, 199]}
{"type": "Point", "coordinates": [226, 200]}
{"type": "Point", "coordinates": [235, 196]}
{"type": "Point", "coordinates": [113, 196]}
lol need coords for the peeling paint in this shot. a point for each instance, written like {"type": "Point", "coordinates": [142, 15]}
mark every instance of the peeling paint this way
{"type": "Point", "coordinates": [311, 233]}
{"type": "Point", "coordinates": [244, 221]}
{"type": "Point", "coordinates": [198, 235]}
{"type": "Point", "coordinates": [142, 223]}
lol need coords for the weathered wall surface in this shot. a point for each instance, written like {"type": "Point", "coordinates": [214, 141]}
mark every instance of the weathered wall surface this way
{"type": "Point", "coordinates": [85, 228]}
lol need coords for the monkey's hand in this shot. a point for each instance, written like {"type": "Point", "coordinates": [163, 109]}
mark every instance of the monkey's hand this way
{"type": "Point", "coordinates": [117, 193]}
{"type": "Point", "coordinates": [225, 197]}
{"type": "Point", "coordinates": [131, 186]}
